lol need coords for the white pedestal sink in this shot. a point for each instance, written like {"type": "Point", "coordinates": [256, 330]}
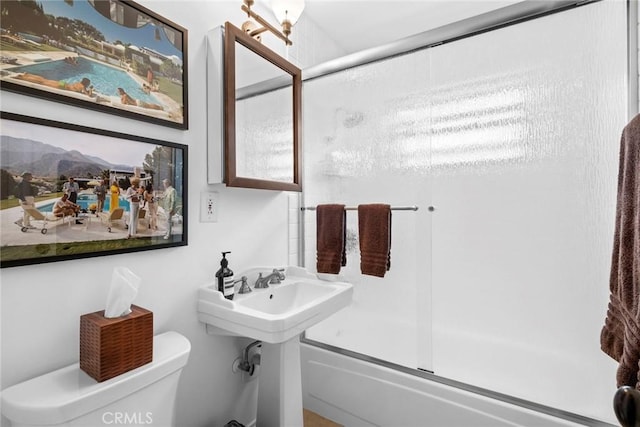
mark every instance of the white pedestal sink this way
{"type": "Point", "coordinates": [276, 316]}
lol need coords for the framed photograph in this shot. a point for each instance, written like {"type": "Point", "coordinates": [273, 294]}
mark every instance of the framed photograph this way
{"type": "Point", "coordinates": [108, 55]}
{"type": "Point", "coordinates": [69, 192]}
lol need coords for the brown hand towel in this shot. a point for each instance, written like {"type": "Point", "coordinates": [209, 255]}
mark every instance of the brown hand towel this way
{"type": "Point", "coordinates": [330, 238]}
{"type": "Point", "coordinates": [620, 336]}
{"type": "Point", "coordinates": [374, 226]}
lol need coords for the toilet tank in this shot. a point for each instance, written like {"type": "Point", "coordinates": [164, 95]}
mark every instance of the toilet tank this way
{"type": "Point", "coordinates": [144, 396]}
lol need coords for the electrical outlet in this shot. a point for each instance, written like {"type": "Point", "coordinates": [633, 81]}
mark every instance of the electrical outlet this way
{"type": "Point", "coordinates": [209, 207]}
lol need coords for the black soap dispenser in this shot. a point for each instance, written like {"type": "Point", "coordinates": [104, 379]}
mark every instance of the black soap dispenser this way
{"type": "Point", "coordinates": [225, 278]}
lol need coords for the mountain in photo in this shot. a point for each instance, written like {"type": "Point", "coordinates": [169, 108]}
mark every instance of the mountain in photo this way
{"type": "Point", "coordinates": [45, 160]}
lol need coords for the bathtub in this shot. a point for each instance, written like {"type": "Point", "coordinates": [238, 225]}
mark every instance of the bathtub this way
{"type": "Point", "coordinates": [355, 392]}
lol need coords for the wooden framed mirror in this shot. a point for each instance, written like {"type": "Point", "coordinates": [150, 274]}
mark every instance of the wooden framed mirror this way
{"type": "Point", "coordinates": [262, 115]}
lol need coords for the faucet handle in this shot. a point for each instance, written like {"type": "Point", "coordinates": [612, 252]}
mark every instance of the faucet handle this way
{"type": "Point", "coordinates": [244, 288]}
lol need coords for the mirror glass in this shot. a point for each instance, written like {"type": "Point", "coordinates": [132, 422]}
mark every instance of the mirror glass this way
{"type": "Point", "coordinates": [264, 119]}
{"type": "Point", "coordinates": [262, 114]}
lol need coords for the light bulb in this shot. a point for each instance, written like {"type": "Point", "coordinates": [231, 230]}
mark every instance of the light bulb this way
{"type": "Point", "coordinates": [287, 10]}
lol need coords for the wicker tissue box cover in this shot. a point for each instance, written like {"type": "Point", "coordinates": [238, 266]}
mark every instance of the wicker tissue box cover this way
{"type": "Point", "coordinates": [110, 347]}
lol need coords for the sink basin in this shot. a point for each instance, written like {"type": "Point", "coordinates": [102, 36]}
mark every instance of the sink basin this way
{"type": "Point", "coordinates": [277, 313]}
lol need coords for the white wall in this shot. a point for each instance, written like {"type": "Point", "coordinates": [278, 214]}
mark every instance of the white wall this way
{"type": "Point", "coordinates": [41, 305]}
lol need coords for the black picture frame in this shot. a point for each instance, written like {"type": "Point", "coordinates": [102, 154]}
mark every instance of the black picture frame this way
{"type": "Point", "coordinates": [52, 152]}
{"type": "Point", "coordinates": [113, 56]}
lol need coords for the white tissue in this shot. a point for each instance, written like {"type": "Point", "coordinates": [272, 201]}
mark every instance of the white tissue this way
{"type": "Point", "coordinates": [124, 288]}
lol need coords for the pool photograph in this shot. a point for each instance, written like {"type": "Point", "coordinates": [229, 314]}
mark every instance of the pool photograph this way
{"type": "Point", "coordinates": [69, 191]}
{"type": "Point", "coordinates": [116, 57]}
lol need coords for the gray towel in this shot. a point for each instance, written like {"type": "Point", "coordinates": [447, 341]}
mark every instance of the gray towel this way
{"type": "Point", "coordinates": [620, 336]}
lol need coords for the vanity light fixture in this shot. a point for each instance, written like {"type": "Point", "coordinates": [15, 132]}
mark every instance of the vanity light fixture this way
{"type": "Point", "coordinates": [287, 12]}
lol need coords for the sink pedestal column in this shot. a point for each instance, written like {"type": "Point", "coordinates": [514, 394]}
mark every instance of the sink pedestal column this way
{"type": "Point", "coordinates": [280, 385]}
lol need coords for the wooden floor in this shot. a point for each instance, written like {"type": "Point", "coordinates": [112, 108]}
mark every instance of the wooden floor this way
{"type": "Point", "coordinates": [311, 419]}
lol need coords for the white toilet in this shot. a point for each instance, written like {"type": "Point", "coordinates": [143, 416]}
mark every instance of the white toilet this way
{"type": "Point", "coordinates": [144, 396]}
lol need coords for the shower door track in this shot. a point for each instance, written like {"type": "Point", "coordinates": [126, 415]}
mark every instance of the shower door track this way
{"type": "Point", "coordinates": [499, 18]}
{"type": "Point", "coordinates": [431, 376]}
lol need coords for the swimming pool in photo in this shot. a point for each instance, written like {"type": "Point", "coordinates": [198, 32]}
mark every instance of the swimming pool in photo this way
{"type": "Point", "coordinates": [104, 78]}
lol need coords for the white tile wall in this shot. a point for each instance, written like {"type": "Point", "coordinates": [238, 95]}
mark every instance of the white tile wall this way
{"type": "Point", "coordinates": [294, 222]}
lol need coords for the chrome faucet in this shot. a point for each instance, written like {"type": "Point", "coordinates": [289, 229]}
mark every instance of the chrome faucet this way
{"type": "Point", "coordinates": [275, 277]}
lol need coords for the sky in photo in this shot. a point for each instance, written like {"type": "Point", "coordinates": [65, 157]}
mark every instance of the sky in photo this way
{"type": "Point", "coordinates": [114, 150]}
{"type": "Point", "coordinates": [141, 37]}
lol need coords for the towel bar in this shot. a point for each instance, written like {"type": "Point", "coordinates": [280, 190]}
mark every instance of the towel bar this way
{"type": "Point", "coordinates": [355, 208]}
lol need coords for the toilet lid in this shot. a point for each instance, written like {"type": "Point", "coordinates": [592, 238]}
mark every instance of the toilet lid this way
{"type": "Point", "coordinates": [69, 393]}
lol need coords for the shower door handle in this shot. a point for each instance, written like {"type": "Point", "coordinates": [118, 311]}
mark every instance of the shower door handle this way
{"type": "Point", "coordinates": [626, 403]}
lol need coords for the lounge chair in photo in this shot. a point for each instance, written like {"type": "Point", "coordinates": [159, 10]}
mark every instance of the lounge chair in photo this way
{"type": "Point", "coordinates": [44, 219]}
{"type": "Point", "coordinates": [117, 215]}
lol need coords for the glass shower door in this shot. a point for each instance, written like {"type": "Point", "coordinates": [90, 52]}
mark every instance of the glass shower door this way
{"type": "Point", "coordinates": [367, 141]}
{"type": "Point", "coordinates": [513, 136]}
{"type": "Point", "coordinates": [526, 129]}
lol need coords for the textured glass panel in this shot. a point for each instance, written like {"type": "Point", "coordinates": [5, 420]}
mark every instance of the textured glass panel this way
{"type": "Point", "coordinates": [526, 127]}
{"type": "Point", "coordinates": [264, 136]}
{"type": "Point", "coordinates": [264, 118]}
{"type": "Point", "coordinates": [366, 141]}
